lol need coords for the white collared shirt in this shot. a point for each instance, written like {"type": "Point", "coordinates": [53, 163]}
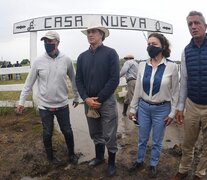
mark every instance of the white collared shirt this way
{"type": "Point", "coordinates": [169, 87]}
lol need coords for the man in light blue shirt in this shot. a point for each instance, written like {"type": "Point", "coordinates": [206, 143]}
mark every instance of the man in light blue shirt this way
{"type": "Point", "coordinates": [129, 70]}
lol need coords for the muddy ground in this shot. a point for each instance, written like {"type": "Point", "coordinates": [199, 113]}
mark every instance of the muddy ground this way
{"type": "Point", "coordinates": [22, 155]}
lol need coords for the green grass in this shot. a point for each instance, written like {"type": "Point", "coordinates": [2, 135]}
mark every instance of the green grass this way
{"type": "Point", "coordinates": [37, 128]}
{"type": "Point", "coordinates": [119, 99]}
{"type": "Point", "coordinates": [14, 81]}
{"type": "Point", "coordinates": [13, 95]}
{"type": "Point", "coordinates": [5, 111]}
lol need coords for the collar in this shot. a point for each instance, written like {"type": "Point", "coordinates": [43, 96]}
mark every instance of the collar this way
{"type": "Point", "coordinates": [163, 61]}
{"type": "Point", "coordinates": [194, 45]}
{"type": "Point", "coordinates": [54, 55]}
{"type": "Point", "coordinates": [98, 47]}
{"type": "Point", "coordinates": [57, 55]}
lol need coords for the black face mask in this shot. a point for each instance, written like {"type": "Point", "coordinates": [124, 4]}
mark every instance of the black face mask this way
{"type": "Point", "coordinates": [49, 48]}
{"type": "Point", "coordinates": [153, 51]}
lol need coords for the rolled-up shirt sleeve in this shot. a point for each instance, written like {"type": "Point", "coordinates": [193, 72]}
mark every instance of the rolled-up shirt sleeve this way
{"type": "Point", "coordinates": [135, 100]}
{"type": "Point", "coordinates": [183, 84]}
{"type": "Point", "coordinates": [71, 74]}
{"type": "Point", "coordinates": [175, 91]}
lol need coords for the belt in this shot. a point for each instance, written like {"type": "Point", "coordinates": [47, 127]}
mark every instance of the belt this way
{"type": "Point", "coordinates": [130, 79]}
{"type": "Point", "coordinates": [155, 103]}
{"type": "Point", "coordinates": [56, 109]}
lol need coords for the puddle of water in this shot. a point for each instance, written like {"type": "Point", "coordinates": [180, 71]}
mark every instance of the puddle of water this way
{"type": "Point", "coordinates": [83, 142]}
{"type": "Point", "coordinates": [125, 125]}
{"type": "Point", "coordinates": [173, 133]}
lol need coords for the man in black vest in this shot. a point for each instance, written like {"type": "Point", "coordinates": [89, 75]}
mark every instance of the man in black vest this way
{"type": "Point", "coordinates": [193, 96]}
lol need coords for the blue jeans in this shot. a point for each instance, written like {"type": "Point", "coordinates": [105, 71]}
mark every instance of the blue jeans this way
{"type": "Point", "coordinates": [63, 119]}
{"type": "Point", "coordinates": [151, 117]}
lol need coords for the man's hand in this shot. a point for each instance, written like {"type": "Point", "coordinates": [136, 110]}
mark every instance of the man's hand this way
{"type": "Point", "coordinates": [168, 121]}
{"type": "Point", "coordinates": [75, 104]}
{"type": "Point", "coordinates": [131, 115]}
{"type": "Point", "coordinates": [92, 102]}
{"type": "Point", "coordinates": [19, 109]}
{"type": "Point", "coordinates": [179, 117]}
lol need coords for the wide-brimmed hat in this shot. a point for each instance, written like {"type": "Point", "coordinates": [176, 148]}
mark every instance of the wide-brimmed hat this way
{"type": "Point", "coordinates": [100, 27]}
{"type": "Point", "coordinates": [51, 35]}
{"type": "Point", "coordinates": [129, 56]}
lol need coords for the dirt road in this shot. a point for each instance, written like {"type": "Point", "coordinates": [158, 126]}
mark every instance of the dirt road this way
{"type": "Point", "coordinates": [22, 154]}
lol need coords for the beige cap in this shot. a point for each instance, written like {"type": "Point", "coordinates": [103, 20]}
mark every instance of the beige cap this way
{"type": "Point", "coordinates": [51, 35]}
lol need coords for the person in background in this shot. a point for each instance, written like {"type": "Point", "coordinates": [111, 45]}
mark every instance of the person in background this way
{"type": "Point", "coordinates": [97, 78]}
{"type": "Point", "coordinates": [193, 96]}
{"type": "Point", "coordinates": [129, 70]}
{"type": "Point", "coordinates": [18, 76]}
{"type": "Point", "coordinates": [10, 76]}
{"type": "Point", "coordinates": [155, 99]}
{"type": "Point", "coordinates": [3, 76]}
{"type": "Point", "coordinates": [51, 71]}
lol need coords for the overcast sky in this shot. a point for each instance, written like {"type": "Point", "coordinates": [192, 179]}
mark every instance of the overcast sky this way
{"type": "Point", "coordinates": [15, 47]}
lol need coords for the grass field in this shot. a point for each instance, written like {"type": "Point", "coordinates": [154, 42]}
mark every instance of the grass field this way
{"type": "Point", "coordinates": [14, 81]}
{"type": "Point", "coordinates": [13, 95]}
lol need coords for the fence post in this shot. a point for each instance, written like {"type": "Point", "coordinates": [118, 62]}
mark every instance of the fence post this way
{"type": "Point", "coordinates": [33, 55]}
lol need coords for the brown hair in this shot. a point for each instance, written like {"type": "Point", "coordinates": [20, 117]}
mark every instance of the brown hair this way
{"type": "Point", "coordinates": [164, 42]}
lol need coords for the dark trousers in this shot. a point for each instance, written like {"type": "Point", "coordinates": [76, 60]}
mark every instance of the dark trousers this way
{"type": "Point", "coordinates": [104, 129]}
{"type": "Point", "coordinates": [10, 76]}
{"type": "Point", "coordinates": [63, 119]}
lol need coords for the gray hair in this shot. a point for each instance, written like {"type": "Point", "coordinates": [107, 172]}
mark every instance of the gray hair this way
{"type": "Point", "coordinates": [196, 13]}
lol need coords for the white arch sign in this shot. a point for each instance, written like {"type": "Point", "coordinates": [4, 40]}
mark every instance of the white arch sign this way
{"type": "Point", "coordinates": [82, 21]}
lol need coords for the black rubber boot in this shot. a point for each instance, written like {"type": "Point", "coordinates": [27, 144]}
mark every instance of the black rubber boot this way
{"type": "Point", "coordinates": [99, 159]}
{"type": "Point", "coordinates": [73, 159]}
{"type": "Point", "coordinates": [111, 170]}
{"type": "Point", "coordinates": [49, 153]}
{"type": "Point", "coordinates": [51, 159]}
{"type": "Point", "coordinates": [125, 107]}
